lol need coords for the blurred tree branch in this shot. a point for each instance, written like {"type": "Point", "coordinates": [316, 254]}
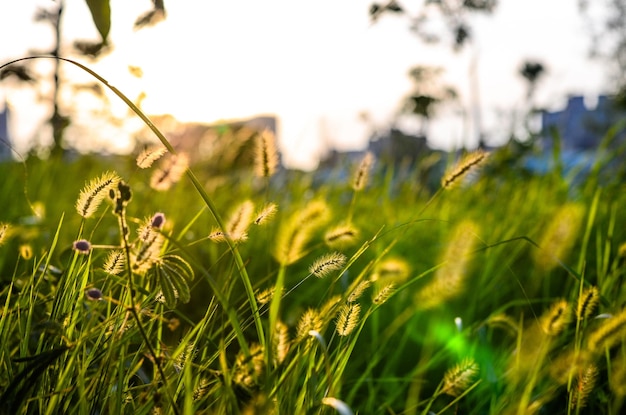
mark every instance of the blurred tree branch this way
{"type": "Point", "coordinates": [454, 14]}
{"type": "Point", "coordinates": [100, 11]}
{"type": "Point", "coordinates": [608, 35]}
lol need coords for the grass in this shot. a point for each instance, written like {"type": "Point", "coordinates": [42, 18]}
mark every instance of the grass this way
{"type": "Point", "coordinates": [181, 295]}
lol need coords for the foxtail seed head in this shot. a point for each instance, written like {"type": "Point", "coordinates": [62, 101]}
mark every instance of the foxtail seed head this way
{"type": "Point", "coordinates": [348, 318]}
{"type": "Point", "coordinates": [559, 236]}
{"type": "Point", "coordinates": [391, 270]}
{"type": "Point", "coordinates": [265, 214]}
{"type": "Point", "coordinates": [265, 155]}
{"type": "Point", "coordinates": [449, 280]}
{"type": "Point", "coordinates": [358, 291]}
{"type": "Point", "coordinates": [466, 165]}
{"type": "Point", "coordinates": [556, 318]}
{"type": "Point", "coordinates": [147, 230]}
{"type": "Point", "coordinates": [169, 172]}
{"type": "Point", "coordinates": [296, 232]}
{"type": "Point", "coordinates": [149, 156]}
{"type": "Point", "coordinates": [310, 320]}
{"type": "Point", "coordinates": [26, 251]}
{"type": "Point", "coordinates": [610, 334]}
{"type": "Point", "coordinates": [457, 379]}
{"type": "Point", "coordinates": [94, 193]}
{"type": "Point", "coordinates": [148, 253]}
{"type": "Point", "coordinates": [217, 235]}
{"type": "Point", "coordinates": [114, 264]}
{"type": "Point", "coordinates": [587, 302]}
{"type": "Point", "coordinates": [341, 236]}
{"type": "Point", "coordinates": [361, 175]}
{"type": "Point", "coordinates": [383, 295]}
{"type": "Point", "coordinates": [327, 264]}
{"type": "Point", "coordinates": [265, 296]}
{"type": "Point", "coordinates": [247, 371]}
{"type": "Point", "coordinates": [239, 221]}
{"type": "Point", "coordinates": [202, 389]}
{"type": "Point", "coordinates": [282, 343]}
{"type": "Point", "coordinates": [585, 384]}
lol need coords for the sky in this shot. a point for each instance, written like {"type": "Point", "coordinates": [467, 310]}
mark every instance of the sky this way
{"type": "Point", "coordinates": [318, 66]}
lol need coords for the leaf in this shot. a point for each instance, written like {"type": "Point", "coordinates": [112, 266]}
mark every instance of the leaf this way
{"type": "Point", "coordinates": [173, 272]}
{"type": "Point", "coordinates": [21, 72]}
{"type": "Point", "coordinates": [167, 288]}
{"type": "Point", "coordinates": [101, 14]}
{"type": "Point", "coordinates": [152, 17]}
{"type": "Point", "coordinates": [16, 393]}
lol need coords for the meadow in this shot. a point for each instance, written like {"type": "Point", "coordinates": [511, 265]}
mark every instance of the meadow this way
{"type": "Point", "coordinates": [143, 285]}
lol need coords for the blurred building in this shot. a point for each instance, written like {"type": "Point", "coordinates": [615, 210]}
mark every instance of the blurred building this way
{"type": "Point", "coordinates": [224, 144]}
{"type": "Point", "coordinates": [5, 142]}
{"type": "Point", "coordinates": [395, 146]}
{"type": "Point", "coordinates": [580, 128]}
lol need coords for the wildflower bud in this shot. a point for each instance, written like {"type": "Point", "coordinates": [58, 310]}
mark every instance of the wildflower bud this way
{"type": "Point", "coordinates": [158, 220]}
{"type": "Point", "coordinates": [82, 246]}
{"type": "Point", "coordinates": [94, 294]}
{"type": "Point", "coordinates": [125, 192]}
{"type": "Point", "coordinates": [26, 251]}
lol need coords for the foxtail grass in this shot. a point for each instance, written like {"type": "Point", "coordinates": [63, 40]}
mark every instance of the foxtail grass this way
{"type": "Point", "coordinates": [463, 168]}
{"type": "Point", "coordinates": [450, 280]}
{"type": "Point", "coordinates": [348, 318]}
{"type": "Point", "coordinates": [559, 237]}
{"type": "Point", "coordinates": [266, 154]}
{"type": "Point", "coordinates": [96, 191]}
{"type": "Point", "coordinates": [324, 312]}
{"type": "Point", "coordinates": [609, 334]}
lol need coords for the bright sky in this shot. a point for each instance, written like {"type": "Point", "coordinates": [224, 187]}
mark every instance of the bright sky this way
{"type": "Point", "coordinates": [316, 65]}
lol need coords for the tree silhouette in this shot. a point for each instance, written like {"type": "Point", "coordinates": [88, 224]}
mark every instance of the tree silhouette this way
{"type": "Point", "coordinates": [532, 72]}
{"type": "Point", "coordinates": [101, 15]}
{"type": "Point", "coordinates": [454, 13]}
{"type": "Point", "coordinates": [428, 92]}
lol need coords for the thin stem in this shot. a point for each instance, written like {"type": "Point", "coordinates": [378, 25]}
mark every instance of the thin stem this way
{"type": "Point", "coordinates": [121, 215]}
